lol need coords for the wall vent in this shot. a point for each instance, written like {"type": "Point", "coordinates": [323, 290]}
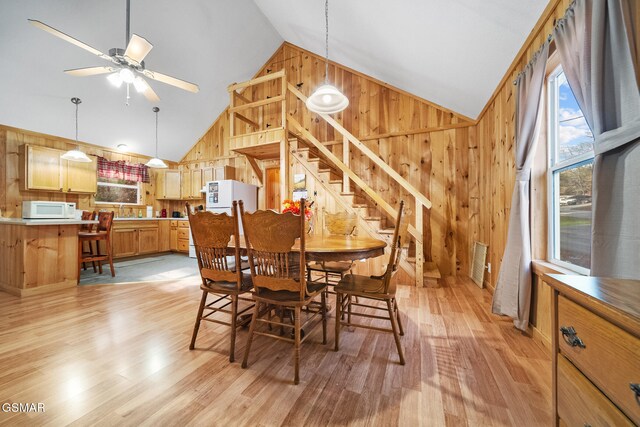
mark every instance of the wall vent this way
{"type": "Point", "coordinates": [478, 263]}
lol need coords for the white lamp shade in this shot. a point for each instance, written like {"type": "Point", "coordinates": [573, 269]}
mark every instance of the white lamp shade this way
{"type": "Point", "coordinates": [327, 99]}
{"type": "Point", "coordinates": [115, 79]}
{"type": "Point", "coordinates": [76, 156]}
{"type": "Point", "coordinates": [156, 163]}
{"type": "Point", "coordinates": [127, 75]}
{"type": "Point", "coordinates": [140, 84]}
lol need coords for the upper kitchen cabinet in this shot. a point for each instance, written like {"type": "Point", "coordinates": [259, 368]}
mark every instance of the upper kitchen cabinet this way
{"type": "Point", "coordinates": [217, 173]}
{"type": "Point", "coordinates": [82, 177]}
{"type": "Point", "coordinates": [192, 184]}
{"type": "Point", "coordinates": [45, 170]}
{"type": "Point", "coordinates": [168, 184]}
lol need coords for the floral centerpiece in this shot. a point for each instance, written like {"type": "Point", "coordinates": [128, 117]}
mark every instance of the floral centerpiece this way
{"type": "Point", "coordinates": [294, 207]}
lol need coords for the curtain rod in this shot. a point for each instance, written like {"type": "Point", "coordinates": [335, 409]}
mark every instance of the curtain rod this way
{"type": "Point", "coordinates": [549, 38]}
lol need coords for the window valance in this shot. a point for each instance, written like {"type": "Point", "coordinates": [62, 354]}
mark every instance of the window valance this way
{"type": "Point", "coordinates": [120, 169]}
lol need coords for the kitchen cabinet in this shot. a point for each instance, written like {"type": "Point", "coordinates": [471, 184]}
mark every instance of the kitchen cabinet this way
{"type": "Point", "coordinates": [191, 184]}
{"type": "Point", "coordinates": [217, 173]}
{"type": "Point", "coordinates": [173, 239]}
{"type": "Point", "coordinates": [138, 237]}
{"type": "Point", "coordinates": [124, 242]}
{"type": "Point", "coordinates": [45, 170]}
{"type": "Point", "coordinates": [168, 183]}
{"type": "Point", "coordinates": [164, 236]}
{"type": "Point", "coordinates": [147, 240]}
{"type": "Point", "coordinates": [82, 177]}
{"type": "Point", "coordinates": [180, 236]}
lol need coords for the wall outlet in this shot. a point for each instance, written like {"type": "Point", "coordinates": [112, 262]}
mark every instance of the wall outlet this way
{"type": "Point", "coordinates": [489, 267]}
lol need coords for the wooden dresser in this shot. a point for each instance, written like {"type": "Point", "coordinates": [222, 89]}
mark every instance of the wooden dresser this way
{"type": "Point", "coordinates": [596, 350]}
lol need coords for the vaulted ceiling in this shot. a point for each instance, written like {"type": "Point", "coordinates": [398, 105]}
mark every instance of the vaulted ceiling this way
{"type": "Point", "coordinates": [451, 52]}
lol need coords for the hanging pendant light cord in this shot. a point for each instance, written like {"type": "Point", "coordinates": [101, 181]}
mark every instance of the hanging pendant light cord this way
{"type": "Point", "coordinates": [156, 109]}
{"type": "Point", "coordinates": [326, 41]}
{"type": "Point", "coordinates": [76, 123]}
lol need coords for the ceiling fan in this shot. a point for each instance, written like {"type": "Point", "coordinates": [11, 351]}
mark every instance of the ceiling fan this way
{"type": "Point", "coordinates": [127, 65]}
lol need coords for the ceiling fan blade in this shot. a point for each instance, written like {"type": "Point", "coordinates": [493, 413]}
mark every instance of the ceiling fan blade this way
{"type": "Point", "coordinates": [191, 87]}
{"type": "Point", "coordinates": [89, 71]}
{"type": "Point", "coordinates": [138, 48]}
{"type": "Point", "coordinates": [69, 39]}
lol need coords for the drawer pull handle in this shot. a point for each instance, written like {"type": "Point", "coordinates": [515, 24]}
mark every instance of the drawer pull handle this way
{"type": "Point", "coordinates": [636, 389]}
{"type": "Point", "coordinates": [571, 337]}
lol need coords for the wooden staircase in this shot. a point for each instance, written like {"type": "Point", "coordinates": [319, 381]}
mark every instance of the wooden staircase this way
{"type": "Point", "coordinates": [291, 142]}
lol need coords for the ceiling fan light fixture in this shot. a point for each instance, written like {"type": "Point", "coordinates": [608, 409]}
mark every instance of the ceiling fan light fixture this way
{"type": "Point", "coordinates": [115, 79]}
{"type": "Point", "coordinates": [140, 84]}
{"type": "Point", "coordinates": [327, 99]}
{"type": "Point", "coordinates": [127, 75]}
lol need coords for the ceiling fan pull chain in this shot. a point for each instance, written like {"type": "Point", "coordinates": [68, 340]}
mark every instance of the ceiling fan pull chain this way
{"type": "Point", "coordinates": [128, 96]}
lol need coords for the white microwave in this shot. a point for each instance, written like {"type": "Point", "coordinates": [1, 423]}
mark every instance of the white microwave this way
{"type": "Point", "coordinates": [48, 210]}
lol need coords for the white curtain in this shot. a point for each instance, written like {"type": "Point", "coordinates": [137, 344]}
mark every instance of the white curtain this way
{"type": "Point", "coordinates": [512, 296]}
{"type": "Point", "coordinates": [596, 44]}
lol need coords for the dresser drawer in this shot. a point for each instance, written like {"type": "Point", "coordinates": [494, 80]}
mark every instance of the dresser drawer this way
{"type": "Point", "coordinates": [580, 403]}
{"type": "Point", "coordinates": [183, 233]}
{"type": "Point", "coordinates": [606, 354]}
{"type": "Point", "coordinates": [183, 224]}
{"type": "Point", "coordinates": [174, 223]}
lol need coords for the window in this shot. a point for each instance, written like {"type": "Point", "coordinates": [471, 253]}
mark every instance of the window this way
{"type": "Point", "coordinates": [569, 178]}
{"type": "Point", "coordinates": [118, 191]}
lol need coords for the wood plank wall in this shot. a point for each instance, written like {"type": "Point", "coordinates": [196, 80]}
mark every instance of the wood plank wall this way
{"type": "Point", "coordinates": [427, 144]}
{"type": "Point", "coordinates": [11, 194]}
{"type": "Point", "coordinates": [492, 156]}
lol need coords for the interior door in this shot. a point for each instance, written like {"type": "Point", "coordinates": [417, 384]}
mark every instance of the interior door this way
{"type": "Point", "coordinates": [272, 189]}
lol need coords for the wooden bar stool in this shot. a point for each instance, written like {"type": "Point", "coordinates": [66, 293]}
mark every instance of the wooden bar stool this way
{"type": "Point", "coordinates": [87, 228]}
{"type": "Point", "coordinates": [102, 233]}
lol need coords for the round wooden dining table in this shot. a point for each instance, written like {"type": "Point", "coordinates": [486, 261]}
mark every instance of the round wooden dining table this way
{"type": "Point", "coordinates": [336, 248]}
{"type": "Point", "coordinates": [342, 248]}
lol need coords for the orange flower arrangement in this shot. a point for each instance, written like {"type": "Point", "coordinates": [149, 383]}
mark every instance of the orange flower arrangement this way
{"type": "Point", "coordinates": [294, 207]}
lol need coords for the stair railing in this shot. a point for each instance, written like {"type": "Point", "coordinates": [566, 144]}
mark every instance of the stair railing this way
{"type": "Point", "coordinates": [421, 201]}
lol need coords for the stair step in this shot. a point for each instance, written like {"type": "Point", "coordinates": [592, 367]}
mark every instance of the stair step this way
{"type": "Point", "coordinates": [387, 231]}
{"type": "Point", "coordinates": [324, 170]}
{"type": "Point", "coordinates": [373, 218]}
{"type": "Point", "coordinates": [303, 149]}
{"type": "Point", "coordinates": [347, 194]}
{"type": "Point", "coordinates": [335, 181]}
{"type": "Point", "coordinates": [360, 205]}
{"type": "Point", "coordinates": [430, 270]}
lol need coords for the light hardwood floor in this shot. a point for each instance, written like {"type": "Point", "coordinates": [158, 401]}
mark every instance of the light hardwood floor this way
{"type": "Point", "coordinates": [112, 355]}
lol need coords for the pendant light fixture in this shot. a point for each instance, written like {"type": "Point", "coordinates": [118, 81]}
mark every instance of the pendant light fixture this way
{"type": "Point", "coordinates": [156, 162]}
{"type": "Point", "coordinates": [327, 98]}
{"type": "Point", "coordinates": [76, 155]}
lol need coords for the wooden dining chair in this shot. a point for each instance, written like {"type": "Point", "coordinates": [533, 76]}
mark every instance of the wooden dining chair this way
{"type": "Point", "coordinates": [102, 233]}
{"type": "Point", "coordinates": [279, 278]}
{"type": "Point", "coordinates": [376, 288]}
{"type": "Point", "coordinates": [87, 228]}
{"type": "Point", "coordinates": [335, 224]}
{"type": "Point", "coordinates": [221, 279]}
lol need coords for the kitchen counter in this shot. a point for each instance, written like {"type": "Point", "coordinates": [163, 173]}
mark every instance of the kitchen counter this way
{"type": "Point", "coordinates": [22, 221]}
{"type": "Point", "coordinates": [38, 256]}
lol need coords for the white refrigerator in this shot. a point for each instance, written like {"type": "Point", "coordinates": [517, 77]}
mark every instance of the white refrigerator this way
{"type": "Point", "coordinates": [220, 196]}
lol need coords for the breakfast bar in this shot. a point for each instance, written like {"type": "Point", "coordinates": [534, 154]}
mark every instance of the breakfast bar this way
{"type": "Point", "coordinates": [38, 256]}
